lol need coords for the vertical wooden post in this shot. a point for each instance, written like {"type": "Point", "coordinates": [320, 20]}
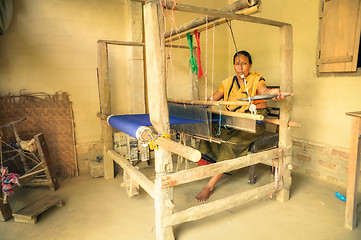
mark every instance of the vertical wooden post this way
{"type": "Point", "coordinates": [353, 175]}
{"type": "Point", "coordinates": [285, 141]}
{"type": "Point", "coordinates": [158, 109]}
{"type": "Point", "coordinates": [45, 159]}
{"type": "Point", "coordinates": [105, 109]}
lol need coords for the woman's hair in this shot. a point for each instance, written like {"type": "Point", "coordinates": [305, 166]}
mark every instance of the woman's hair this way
{"type": "Point", "coordinates": [244, 53]}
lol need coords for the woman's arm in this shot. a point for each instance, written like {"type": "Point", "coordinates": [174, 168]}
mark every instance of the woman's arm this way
{"type": "Point", "coordinates": [262, 89]}
{"type": "Point", "coordinates": [217, 95]}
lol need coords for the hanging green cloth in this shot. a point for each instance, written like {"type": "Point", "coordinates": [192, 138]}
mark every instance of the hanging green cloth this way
{"type": "Point", "coordinates": [192, 60]}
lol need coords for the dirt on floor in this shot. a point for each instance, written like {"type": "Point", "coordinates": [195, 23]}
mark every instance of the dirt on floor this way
{"type": "Point", "coordinates": [96, 208]}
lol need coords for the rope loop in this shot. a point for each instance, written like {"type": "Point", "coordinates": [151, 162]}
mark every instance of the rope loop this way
{"type": "Point", "coordinates": [152, 144]}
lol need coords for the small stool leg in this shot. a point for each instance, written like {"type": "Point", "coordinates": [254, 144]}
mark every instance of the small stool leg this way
{"type": "Point", "coordinates": [252, 177]}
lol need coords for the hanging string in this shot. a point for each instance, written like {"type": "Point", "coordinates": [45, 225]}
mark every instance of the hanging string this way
{"type": "Point", "coordinates": [214, 34]}
{"type": "Point", "coordinates": [220, 119]}
{"type": "Point", "coordinates": [252, 107]}
{"type": "Point", "coordinates": [206, 74]}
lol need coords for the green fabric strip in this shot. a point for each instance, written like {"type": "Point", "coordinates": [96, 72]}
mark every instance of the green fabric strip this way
{"type": "Point", "coordinates": [192, 60]}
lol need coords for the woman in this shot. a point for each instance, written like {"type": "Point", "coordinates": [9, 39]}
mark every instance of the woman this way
{"type": "Point", "coordinates": [233, 88]}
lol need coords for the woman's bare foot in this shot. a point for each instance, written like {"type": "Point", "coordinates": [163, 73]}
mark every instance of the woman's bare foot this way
{"type": "Point", "coordinates": [204, 194]}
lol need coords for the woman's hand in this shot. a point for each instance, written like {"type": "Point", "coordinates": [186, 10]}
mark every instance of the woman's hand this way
{"type": "Point", "coordinates": [280, 95]}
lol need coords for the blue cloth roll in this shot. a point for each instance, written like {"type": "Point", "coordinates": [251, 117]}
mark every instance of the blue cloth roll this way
{"type": "Point", "coordinates": [129, 124]}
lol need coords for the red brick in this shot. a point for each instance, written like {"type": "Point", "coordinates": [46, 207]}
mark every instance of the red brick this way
{"type": "Point", "coordinates": [327, 164]}
{"type": "Point", "coordinates": [341, 154]}
{"type": "Point", "coordinates": [302, 157]}
{"type": "Point", "coordinates": [312, 147]}
{"type": "Point", "coordinates": [312, 172]}
{"type": "Point", "coordinates": [295, 167]}
{"type": "Point", "coordinates": [297, 144]}
{"type": "Point", "coordinates": [332, 179]}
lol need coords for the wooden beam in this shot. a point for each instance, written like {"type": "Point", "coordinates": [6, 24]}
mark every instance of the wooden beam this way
{"type": "Point", "coordinates": [215, 23]}
{"type": "Point", "coordinates": [353, 175]}
{"type": "Point", "coordinates": [224, 14]}
{"type": "Point", "coordinates": [124, 43]}
{"type": "Point", "coordinates": [158, 110]}
{"type": "Point", "coordinates": [207, 209]}
{"type": "Point", "coordinates": [239, 115]}
{"type": "Point", "coordinates": [105, 109]}
{"type": "Point", "coordinates": [234, 7]}
{"type": "Point", "coordinates": [285, 138]}
{"type": "Point", "coordinates": [208, 103]}
{"type": "Point", "coordinates": [202, 172]}
{"type": "Point", "coordinates": [187, 152]}
{"type": "Point", "coordinates": [134, 173]}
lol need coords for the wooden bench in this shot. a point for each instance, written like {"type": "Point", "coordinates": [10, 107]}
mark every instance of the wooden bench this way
{"type": "Point", "coordinates": [29, 214]}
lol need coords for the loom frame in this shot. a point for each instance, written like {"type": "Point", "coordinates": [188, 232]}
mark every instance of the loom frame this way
{"type": "Point", "coordinates": [162, 189]}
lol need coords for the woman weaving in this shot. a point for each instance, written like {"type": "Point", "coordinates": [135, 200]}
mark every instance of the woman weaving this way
{"type": "Point", "coordinates": [233, 88]}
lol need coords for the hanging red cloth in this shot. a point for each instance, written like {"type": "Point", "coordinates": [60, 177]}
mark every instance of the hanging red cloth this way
{"type": "Point", "coordinates": [198, 35]}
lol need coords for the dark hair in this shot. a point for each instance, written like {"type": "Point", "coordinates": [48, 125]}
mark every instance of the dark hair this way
{"type": "Point", "coordinates": [244, 53]}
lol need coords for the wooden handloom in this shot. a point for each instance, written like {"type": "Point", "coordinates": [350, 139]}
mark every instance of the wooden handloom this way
{"type": "Point", "coordinates": [162, 189]}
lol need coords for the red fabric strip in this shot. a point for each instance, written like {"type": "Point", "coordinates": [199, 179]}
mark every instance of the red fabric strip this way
{"type": "Point", "coordinates": [198, 35]}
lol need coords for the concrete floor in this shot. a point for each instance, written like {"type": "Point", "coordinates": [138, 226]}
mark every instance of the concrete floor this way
{"type": "Point", "coordinates": [100, 209]}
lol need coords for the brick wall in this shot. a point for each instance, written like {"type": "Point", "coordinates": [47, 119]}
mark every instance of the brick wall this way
{"type": "Point", "coordinates": [326, 162]}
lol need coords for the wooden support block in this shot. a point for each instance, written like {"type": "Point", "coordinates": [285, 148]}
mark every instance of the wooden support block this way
{"type": "Point", "coordinates": [6, 212]}
{"type": "Point", "coordinates": [130, 185]}
{"type": "Point", "coordinates": [30, 213]}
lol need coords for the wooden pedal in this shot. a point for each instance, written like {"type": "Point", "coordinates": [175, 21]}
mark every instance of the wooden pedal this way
{"type": "Point", "coordinates": [30, 213]}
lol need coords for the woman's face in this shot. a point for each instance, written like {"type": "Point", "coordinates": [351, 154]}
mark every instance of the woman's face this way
{"type": "Point", "coordinates": [242, 65]}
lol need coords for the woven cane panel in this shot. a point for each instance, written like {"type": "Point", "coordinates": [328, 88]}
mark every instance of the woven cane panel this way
{"type": "Point", "coordinates": [51, 115]}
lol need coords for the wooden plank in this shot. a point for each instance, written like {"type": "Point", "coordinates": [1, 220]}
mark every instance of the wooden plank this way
{"type": "Point", "coordinates": [353, 175]}
{"type": "Point", "coordinates": [285, 138]}
{"type": "Point", "coordinates": [105, 108]}
{"type": "Point", "coordinates": [339, 36]}
{"type": "Point", "coordinates": [134, 173]}
{"type": "Point", "coordinates": [29, 213]}
{"type": "Point", "coordinates": [206, 171]}
{"type": "Point", "coordinates": [207, 209]}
